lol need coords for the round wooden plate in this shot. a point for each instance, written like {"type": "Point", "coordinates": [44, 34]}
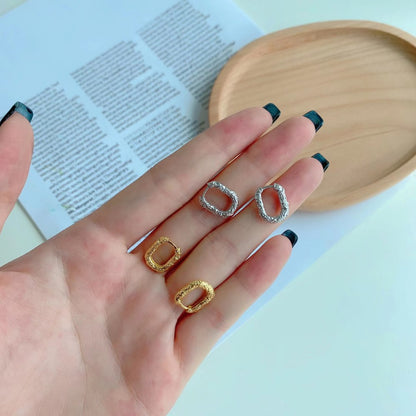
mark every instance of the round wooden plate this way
{"type": "Point", "coordinates": [360, 76]}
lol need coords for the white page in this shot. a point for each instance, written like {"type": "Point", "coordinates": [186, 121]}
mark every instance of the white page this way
{"type": "Point", "coordinates": [115, 87]}
{"type": "Point", "coordinates": [51, 54]}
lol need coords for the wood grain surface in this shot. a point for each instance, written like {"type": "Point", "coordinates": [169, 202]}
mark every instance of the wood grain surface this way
{"type": "Point", "coordinates": [360, 76]}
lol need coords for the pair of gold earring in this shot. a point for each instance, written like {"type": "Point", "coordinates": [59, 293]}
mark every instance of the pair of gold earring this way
{"type": "Point", "coordinates": [161, 268]}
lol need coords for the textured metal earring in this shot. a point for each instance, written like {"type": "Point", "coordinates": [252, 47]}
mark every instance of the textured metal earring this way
{"type": "Point", "coordinates": [284, 212]}
{"type": "Point", "coordinates": [231, 194]}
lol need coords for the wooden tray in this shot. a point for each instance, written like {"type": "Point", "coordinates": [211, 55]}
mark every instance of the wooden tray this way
{"type": "Point", "coordinates": [360, 76]}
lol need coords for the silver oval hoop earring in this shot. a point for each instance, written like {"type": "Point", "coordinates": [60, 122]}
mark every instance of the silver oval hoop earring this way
{"type": "Point", "coordinates": [284, 212]}
{"type": "Point", "coordinates": [212, 208]}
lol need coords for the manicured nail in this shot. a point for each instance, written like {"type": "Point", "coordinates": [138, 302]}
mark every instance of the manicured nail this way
{"type": "Point", "coordinates": [291, 236]}
{"type": "Point", "coordinates": [316, 119]}
{"type": "Point", "coordinates": [21, 109]}
{"type": "Point", "coordinates": [273, 110]}
{"type": "Point", "coordinates": [324, 162]}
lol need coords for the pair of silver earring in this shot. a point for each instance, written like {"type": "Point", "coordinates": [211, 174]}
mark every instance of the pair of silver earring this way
{"type": "Point", "coordinates": [284, 212]}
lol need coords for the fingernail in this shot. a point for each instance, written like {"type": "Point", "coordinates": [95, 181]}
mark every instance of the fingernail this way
{"type": "Point", "coordinates": [273, 110]}
{"type": "Point", "coordinates": [316, 119]}
{"type": "Point", "coordinates": [21, 109]}
{"type": "Point", "coordinates": [293, 238]}
{"type": "Point", "coordinates": [324, 162]}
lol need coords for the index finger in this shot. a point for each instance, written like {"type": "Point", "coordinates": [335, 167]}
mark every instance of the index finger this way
{"type": "Point", "coordinates": [171, 183]}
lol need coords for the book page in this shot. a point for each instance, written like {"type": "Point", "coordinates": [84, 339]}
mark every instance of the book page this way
{"type": "Point", "coordinates": [112, 95]}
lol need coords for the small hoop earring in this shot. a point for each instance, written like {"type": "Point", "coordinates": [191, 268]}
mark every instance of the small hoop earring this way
{"type": "Point", "coordinates": [284, 212]}
{"type": "Point", "coordinates": [212, 208]}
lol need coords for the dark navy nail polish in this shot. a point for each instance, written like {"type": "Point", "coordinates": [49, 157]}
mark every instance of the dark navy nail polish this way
{"type": "Point", "coordinates": [21, 109]}
{"type": "Point", "coordinates": [324, 162]}
{"type": "Point", "coordinates": [316, 119]}
{"type": "Point", "coordinates": [273, 110]}
{"type": "Point", "coordinates": [291, 236]}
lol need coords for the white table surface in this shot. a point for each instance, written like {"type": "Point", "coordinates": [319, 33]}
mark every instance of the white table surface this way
{"type": "Point", "coordinates": [339, 340]}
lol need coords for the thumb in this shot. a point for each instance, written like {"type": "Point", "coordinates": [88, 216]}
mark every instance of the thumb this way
{"type": "Point", "coordinates": [16, 145]}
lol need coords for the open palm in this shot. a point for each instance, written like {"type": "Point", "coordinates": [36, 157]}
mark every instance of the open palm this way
{"type": "Point", "coordinates": [86, 327]}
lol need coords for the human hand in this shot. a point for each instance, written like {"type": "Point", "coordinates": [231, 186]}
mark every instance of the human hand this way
{"type": "Point", "coordinates": [87, 327]}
